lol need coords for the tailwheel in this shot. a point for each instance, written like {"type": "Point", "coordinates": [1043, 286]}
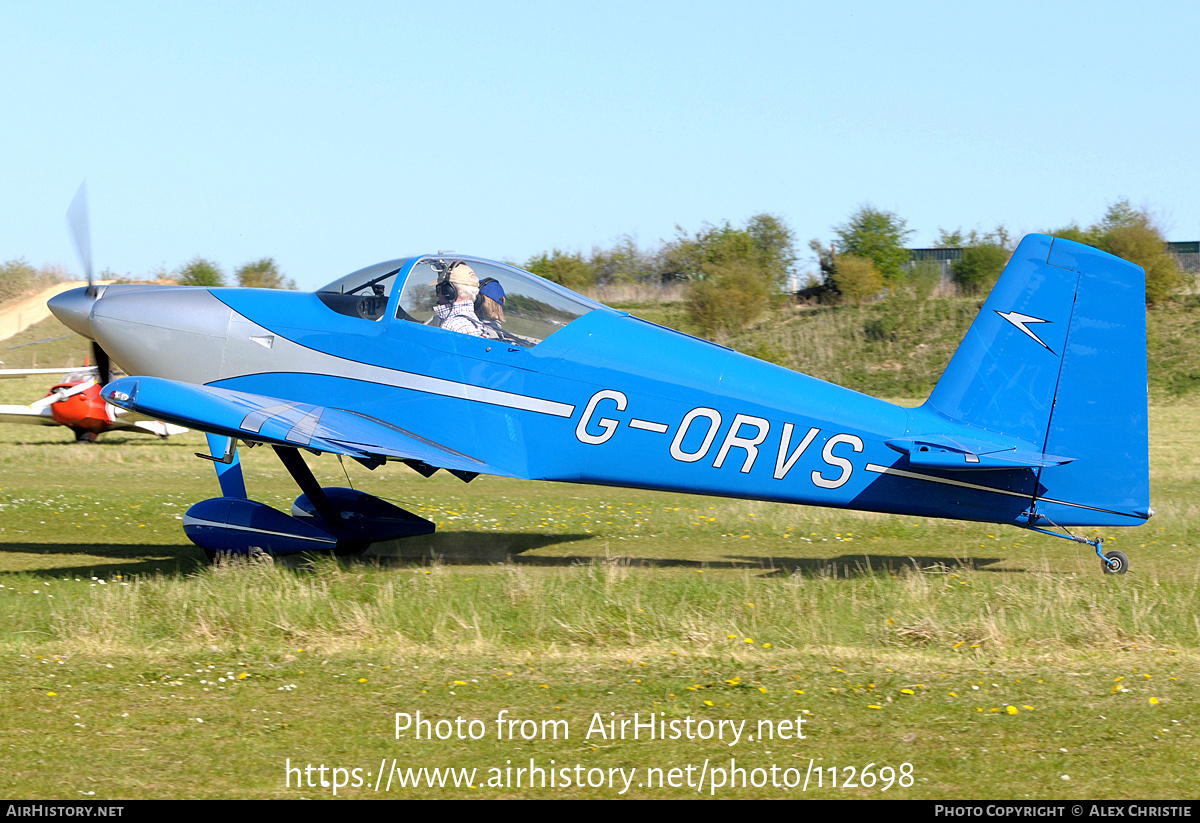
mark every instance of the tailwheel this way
{"type": "Point", "coordinates": [1115, 562]}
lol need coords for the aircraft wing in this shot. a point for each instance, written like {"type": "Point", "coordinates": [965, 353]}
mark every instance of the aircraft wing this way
{"type": "Point", "coordinates": [9, 374]}
{"type": "Point", "coordinates": [136, 423]}
{"type": "Point", "coordinates": [27, 414]}
{"type": "Point", "coordinates": [260, 419]}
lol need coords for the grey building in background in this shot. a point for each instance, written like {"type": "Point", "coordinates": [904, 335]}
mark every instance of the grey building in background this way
{"type": "Point", "coordinates": [1186, 252]}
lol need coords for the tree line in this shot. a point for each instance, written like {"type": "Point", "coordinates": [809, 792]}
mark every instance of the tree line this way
{"type": "Point", "coordinates": [263, 273]}
{"type": "Point", "coordinates": [868, 258]}
{"type": "Point", "coordinates": [732, 274]}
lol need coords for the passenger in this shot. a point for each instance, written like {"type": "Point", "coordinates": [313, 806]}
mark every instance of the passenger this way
{"type": "Point", "coordinates": [489, 306]}
{"type": "Point", "coordinates": [455, 309]}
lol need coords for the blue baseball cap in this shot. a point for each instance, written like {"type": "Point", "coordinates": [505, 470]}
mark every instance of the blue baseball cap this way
{"type": "Point", "coordinates": [493, 289]}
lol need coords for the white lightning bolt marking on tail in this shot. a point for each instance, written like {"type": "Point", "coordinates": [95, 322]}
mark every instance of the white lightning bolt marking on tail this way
{"type": "Point", "coordinates": [1020, 320]}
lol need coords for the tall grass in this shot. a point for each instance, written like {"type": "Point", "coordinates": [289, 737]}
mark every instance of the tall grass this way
{"type": "Point", "coordinates": [324, 604]}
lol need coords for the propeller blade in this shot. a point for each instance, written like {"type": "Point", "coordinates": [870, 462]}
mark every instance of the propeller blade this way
{"type": "Point", "coordinates": [77, 220]}
{"type": "Point", "coordinates": [59, 396]}
{"type": "Point", "coordinates": [103, 369]}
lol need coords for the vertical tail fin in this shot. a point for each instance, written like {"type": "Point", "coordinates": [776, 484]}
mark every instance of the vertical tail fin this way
{"type": "Point", "coordinates": [1057, 359]}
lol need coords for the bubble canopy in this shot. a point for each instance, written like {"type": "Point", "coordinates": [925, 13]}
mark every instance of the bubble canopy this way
{"type": "Point", "coordinates": [533, 307]}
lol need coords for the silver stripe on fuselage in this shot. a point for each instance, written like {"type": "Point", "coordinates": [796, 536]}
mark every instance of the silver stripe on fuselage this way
{"type": "Point", "coordinates": [875, 467]}
{"type": "Point", "coordinates": [465, 391]}
{"type": "Point", "coordinates": [244, 358]}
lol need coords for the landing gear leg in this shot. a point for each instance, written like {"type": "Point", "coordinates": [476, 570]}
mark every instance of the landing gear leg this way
{"type": "Point", "coordinates": [293, 461]}
{"type": "Point", "coordinates": [308, 484]}
{"type": "Point", "coordinates": [1114, 562]}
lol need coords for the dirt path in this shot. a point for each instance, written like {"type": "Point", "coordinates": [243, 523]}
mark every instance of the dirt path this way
{"type": "Point", "coordinates": [20, 316]}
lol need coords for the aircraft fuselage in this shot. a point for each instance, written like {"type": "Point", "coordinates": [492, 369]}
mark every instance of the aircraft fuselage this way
{"type": "Point", "coordinates": [608, 399]}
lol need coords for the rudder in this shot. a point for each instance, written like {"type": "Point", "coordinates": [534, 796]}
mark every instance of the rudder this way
{"type": "Point", "coordinates": [1100, 414]}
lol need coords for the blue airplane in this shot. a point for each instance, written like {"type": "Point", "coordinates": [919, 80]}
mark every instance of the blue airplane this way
{"type": "Point", "coordinates": [1039, 421]}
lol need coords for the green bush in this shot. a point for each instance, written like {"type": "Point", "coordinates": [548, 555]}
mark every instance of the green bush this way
{"type": "Point", "coordinates": [201, 272]}
{"type": "Point", "coordinates": [979, 268]}
{"type": "Point", "coordinates": [1142, 244]}
{"type": "Point", "coordinates": [263, 274]}
{"type": "Point", "coordinates": [19, 279]}
{"type": "Point", "coordinates": [857, 278]}
{"type": "Point", "coordinates": [569, 270]}
{"type": "Point", "coordinates": [730, 296]}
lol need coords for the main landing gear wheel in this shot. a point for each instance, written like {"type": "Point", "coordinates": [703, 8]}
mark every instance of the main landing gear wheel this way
{"type": "Point", "coordinates": [354, 548]}
{"type": "Point", "coordinates": [84, 436]}
{"type": "Point", "coordinates": [1115, 562]}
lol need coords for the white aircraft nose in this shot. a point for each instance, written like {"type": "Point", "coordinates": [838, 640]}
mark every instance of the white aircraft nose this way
{"type": "Point", "coordinates": [73, 309]}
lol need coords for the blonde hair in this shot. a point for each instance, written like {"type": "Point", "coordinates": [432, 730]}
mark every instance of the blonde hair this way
{"type": "Point", "coordinates": [488, 309]}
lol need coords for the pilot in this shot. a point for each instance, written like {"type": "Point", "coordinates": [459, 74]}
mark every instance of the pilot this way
{"type": "Point", "coordinates": [455, 309]}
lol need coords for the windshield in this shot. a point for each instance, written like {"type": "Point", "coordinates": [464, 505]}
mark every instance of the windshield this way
{"type": "Point", "coordinates": [516, 306]}
{"type": "Point", "coordinates": [363, 293]}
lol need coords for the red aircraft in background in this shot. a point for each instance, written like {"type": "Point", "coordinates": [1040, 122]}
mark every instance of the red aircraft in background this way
{"type": "Point", "coordinates": [75, 402]}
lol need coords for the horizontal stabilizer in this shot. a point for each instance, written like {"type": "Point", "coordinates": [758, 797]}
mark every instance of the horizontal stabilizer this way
{"type": "Point", "coordinates": [971, 454]}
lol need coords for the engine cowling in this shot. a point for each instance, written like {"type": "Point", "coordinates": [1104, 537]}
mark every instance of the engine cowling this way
{"type": "Point", "coordinates": [83, 411]}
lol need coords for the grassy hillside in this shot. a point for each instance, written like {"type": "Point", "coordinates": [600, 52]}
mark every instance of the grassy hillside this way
{"type": "Point", "coordinates": [44, 345]}
{"type": "Point", "coordinates": [1174, 350]}
{"type": "Point", "coordinates": [899, 348]}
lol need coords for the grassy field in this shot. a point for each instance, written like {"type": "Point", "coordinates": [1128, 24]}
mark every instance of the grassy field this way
{"type": "Point", "coordinates": [930, 658]}
{"type": "Point", "coordinates": [919, 658]}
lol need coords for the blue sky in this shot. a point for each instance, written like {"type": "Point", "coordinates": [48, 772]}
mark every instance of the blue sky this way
{"type": "Point", "coordinates": [333, 136]}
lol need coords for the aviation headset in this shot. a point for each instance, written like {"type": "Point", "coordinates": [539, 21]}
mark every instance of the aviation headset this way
{"type": "Point", "coordinates": [446, 289]}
